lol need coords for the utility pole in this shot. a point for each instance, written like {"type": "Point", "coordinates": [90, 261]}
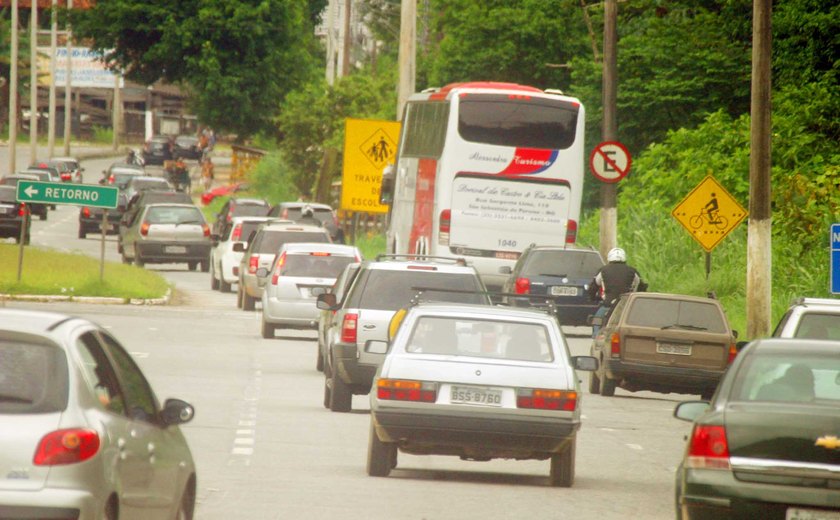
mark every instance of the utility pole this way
{"type": "Point", "coordinates": [331, 43]}
{"type": "Point", "coordinates": [759, 242]}
{"type": "Point", "coordinates": [53, 43]}
{"type": "Point", "coordinates": [348, 38]}
{"type": "Point", "coordinates": [407, 53]}
{"type": "Point", "coordinates": [117, 111]}
{"type": "Point", "coordinates": [13, 91]}
{"type": "Point", "coordinates": [33, 83]}
{"type": "Point", "coordinates": [609, 130]}
{"type": "Point", "coordinates": [68, 101]}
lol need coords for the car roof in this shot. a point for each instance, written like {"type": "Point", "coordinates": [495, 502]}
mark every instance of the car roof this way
{"type": "Point", "coordinates": [30, 321]}
{"type": "Point", "coordinates": [817, 303]}
{"type": "Point", "coordinates": [26, 176]}
{"type": "Point", "coordinates": [399, 264]}
{"type": "Point", "coordinates": [297, 204]}
{"type": "Point", "coordinates": [65, 159]}
{"type": "Point", "coordinates": [495, 312]}
{"type": "Point", "coordinates": [148, 178]}
{"type": "Point", "coordinates": [256, 218]}
{"type": "Point", "coordinates": [170, 205]}
{"type": "Point", "coordinates": [795, 345]}
{"type": "Point", "coordinates": [562, 248]}
{"type": "Point", "coordinates": [292, 226]}
{"type": "Point", "coordinates": [249, 200]}
{"type": "Point", "coordinates": [326, 247]}
{"type": "Point", "coordinates": [672, 296]}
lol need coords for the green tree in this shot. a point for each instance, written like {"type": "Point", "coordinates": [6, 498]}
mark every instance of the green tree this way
{"type": "Point", "coordinates": [237, 57]}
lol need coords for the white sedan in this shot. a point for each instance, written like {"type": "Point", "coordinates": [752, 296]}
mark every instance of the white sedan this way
{"type": "Point", "coordinates": [477, 382]}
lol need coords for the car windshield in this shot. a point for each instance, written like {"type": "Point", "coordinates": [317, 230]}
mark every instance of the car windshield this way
{"type": "Point", "coordinates": [33, 378]}
{"type": "Point", "coordinates": [174, 215]}
{"type": "Point", "coordinates": [789, 377]}
{"type": "Point", "coordinates": [573, 264]}
{"type": "Point", "coordinates": [315, 265]}
{"type": "Point", "coordinates": [272, 240]}
{"type": "Point", "coordinates": [390, 290]}
{"type": "Point", "coordinates": [480, 338]}
{"type": "Point", "coordinates": [676, 314]}
{"type": "Point", "coordinates": [816, 325]}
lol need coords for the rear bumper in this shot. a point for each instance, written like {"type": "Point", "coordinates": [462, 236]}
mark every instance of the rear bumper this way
{"type": "Point", "coordinates": [654, 376]}
{"type": "Point", "coordinates": [92, 224]}
{"type": "Point", "coordinates": [292, 313]}
{"type": "Point", "coordinates": [49, 503]}
{"type": "Point", "coordinates": [162, 252]}
{"type": "Point", "coordinates": [10, 228]}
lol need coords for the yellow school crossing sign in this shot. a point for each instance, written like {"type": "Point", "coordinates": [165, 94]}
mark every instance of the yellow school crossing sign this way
{"type": "Point", "coordinates": [709, 213]}
{"type": "Point", "coordinates": [369, 146]}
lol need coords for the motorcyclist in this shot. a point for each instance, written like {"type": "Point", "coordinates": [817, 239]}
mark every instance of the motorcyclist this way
{"type": "Point", "coordinates": [133, 158]}
{"type": "Point", "coordinates": [307, 216]}
{"type": "Point", "coordinates": [612, 280]}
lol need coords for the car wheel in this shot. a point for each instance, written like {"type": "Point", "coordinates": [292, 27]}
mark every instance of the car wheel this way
{"type": "Point", "coordinates": [239, 297]}
{"type": "Point", "coordinates": [341, 399]}
{"type": "Point", "coordinates": [112, 511]}
{"type": "Point", "coordinates": [82, 233]}
{"type": "Point", "coordinates": [214, 283]}
{"type": "Point", "coordinates": [186, 509]}
{"type": "Point", "coordinates": [267, 330]}
{"type": "Point", "coordinates": [381, 455]}
{"type": "Point", "coordinates": [137, 260]}
{"type": "Point", "coordinates": [607, 386]}
{"type": "Point", "coordinates": [327, 392]}
{"type": "Point", "coordinates": [248, 302]}
{"type": "Point", "coordinates": [223, 285]}
{"type": "Point", "coordinates": [205, 266]}
{"type": "Point", "coordinates": [563, 466]}
{"type": "Point", "coordinates": [594, 384]}
{"type": "Point", "coordinates": [192, 266]}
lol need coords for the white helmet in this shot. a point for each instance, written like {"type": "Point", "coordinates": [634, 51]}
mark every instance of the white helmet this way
{"type": "Point", "coordinates": [307, 211]}
{"type": "Point", "coordinates": [616, 254]}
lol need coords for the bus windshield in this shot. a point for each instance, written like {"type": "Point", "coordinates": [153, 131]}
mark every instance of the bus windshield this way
{"type": "Point", "coordinates": [517, 121]}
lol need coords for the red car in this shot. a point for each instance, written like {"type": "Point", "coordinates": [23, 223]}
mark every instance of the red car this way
{"type": "Point", "coordinates": [221, 191]}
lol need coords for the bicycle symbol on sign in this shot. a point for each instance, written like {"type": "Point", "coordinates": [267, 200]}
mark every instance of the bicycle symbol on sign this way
{"type": "Point", "coordinates": [709, 215]}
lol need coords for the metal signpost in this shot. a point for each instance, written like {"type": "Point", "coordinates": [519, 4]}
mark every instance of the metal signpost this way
{"type": "Point", "coordinates": [835, 259]}
{"type": "Point", "coordinates": [75, 194]}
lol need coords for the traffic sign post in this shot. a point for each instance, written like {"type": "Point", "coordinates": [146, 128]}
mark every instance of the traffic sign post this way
{"type": "Point", "coordinates": [835, 259]}
{"type": "Point", "coordinates": [709, 213]}
{"type": "Point", "coordinates": [610, 161]}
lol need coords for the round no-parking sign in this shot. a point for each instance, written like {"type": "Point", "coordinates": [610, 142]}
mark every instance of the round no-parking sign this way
{"type": "Point", "coordinates": [610, 161]}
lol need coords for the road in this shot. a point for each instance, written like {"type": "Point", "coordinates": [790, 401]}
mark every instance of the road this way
{"type": "Point", "coordinates": [266, 448]}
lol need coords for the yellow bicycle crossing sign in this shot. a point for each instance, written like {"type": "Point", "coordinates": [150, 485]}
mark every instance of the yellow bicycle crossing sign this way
{"type": "Point", "coordinates": [709, 213]}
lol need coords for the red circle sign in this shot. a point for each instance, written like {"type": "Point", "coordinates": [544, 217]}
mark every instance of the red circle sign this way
{"type": "Point", "coordinates": [610, 161]}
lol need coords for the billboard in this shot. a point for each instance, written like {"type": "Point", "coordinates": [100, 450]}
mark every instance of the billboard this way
{"type": "Point", "coordinates": [87, 68]}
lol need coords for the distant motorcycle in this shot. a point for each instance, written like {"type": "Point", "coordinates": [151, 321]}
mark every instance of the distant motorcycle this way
{"type": "Point", "coordinates": [135, 158]}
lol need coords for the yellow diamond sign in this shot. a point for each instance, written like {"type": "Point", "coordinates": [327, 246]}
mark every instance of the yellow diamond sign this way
{"type": "Point", "coordinates": [709, 213]}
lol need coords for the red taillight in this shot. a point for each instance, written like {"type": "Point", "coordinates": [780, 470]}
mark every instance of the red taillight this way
{"type": "Point", "coordinates": [708, 448]}
{"type": "Point", "coordinates": [22, 210]}
{"type": "Point", "coordinates": [348, 328]}
{"type": "Point", "coordinates": [615, 345]}
{"type": "Point", "coordinates": [66, 447]}
{"type": "Point", "coordinates": [144, 228]}
{"type": "Point", "coordinates": [571, 231]}
{"type": "Point", "coordinates": [278, 268]}
{"type": "Point", "coordinates": [542, 399]}
{"type": "Point", "coordinates": [230, 215]}
{"type": "Point", "coordinates": [206, 229]}
{"type": "Point", "coordinates": [236, 234]}
{"type": "Point", "coordinates": [253, 264]}
{"type": "Point", "coordinates": [86, 211]}
{"type": "Point", "coordinates": [445, 221]}
{"type": "Point", "coordinates": [733, 351]}
{"type": "Point", "coordinates": [111, 179]}
{"type": "Point", "coordinates": [522, 286]}
{"type": "Point", "coordinates": [400, 390]}
{"type": "Point", "coordinates": [285, 213]}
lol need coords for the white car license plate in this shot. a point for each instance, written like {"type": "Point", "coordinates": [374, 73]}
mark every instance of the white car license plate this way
{"type": "Point", "coordinates": [175, 250]}
{"type": "Point", "coordinates": [795, 513]}
{"type": "Point", "coordinates": [476, 396]}
{"type": "Point", "coordinates": [670, 348]}
{"type": "Point", "coordinates": [6, 208]}
{"type": "Point", "coordinates": [562, 290]}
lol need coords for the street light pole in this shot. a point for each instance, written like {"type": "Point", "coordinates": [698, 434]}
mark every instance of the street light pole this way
{"type": "Point", "coordinates": [13, 91]}
{"type": "Point", "coordinates": [33, 83]}
{"type": "Point", "coordinates": [68, 101]}
{"type": "Point", "coordinates": [53, 42]}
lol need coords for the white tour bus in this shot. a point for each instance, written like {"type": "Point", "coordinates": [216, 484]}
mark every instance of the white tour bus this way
{"type": "Point", "coordinates": [482, 171]}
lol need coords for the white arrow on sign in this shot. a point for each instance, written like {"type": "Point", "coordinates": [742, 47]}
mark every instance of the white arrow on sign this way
{"type": "Point", "coordinates": [30, 191]}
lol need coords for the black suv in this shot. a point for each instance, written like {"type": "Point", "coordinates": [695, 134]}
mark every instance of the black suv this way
{"type": "Point", "coordinates": [560, 273]}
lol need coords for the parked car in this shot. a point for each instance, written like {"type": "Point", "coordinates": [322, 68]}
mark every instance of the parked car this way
{"type": "Point", "coordinates": [139, 183]}
{"type": "Point", "coordinates": [239, 207]}
{"type": "Point", "coordinates": [13, 215]}
{"type": "Point", "coordinates": [477, 382]}
{"type": "Point", "coordinates": [81, 423]}
{"type": "Point", "coordinates": [662, 342]}
{"type": "Point", "coordinates": [157, 149]}
{"type": "Point", "coordinates": [69, 167]}
{"type": "Point", "coordinates": [381, 288]}
{"type": "Point", "coordinates": [142, 199]}
{"type": "Point", "coordinates": [90, 218]}
{"type": "Point", "coordinates": [323, 212]}
{"type": "Point", "coordinates": [224, 261]}
{"type": "Point", "coordinates": [208, 196]}
{"type": "Point", "coordinates": [325, 318]}
{"type": "Point", "coordinates": [561, 274]}
{"type": "Point", "coordinates": [118, 174]}
{"type": "Point", "coordinates": [187, 147]}
{"type": "Point", "coordinates": [262, 247]}
{"type": "Point", "coordinates": [35, 208]}
{"type": "Point", "coordinates": [300, 272]}
{"type": "Point", "coordinates": [767, 445]}
{"type": "Point", "coordinates": [814, 318]}
{"type": "Point", "coordinates": [168, 234]}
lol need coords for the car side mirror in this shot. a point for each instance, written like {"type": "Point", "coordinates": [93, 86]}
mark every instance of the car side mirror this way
{"type": "Point", "coordinates": [690, 410]}
{"type": "Point", "coordinates": [585, 363]}
{"type": "Point", "coordinates": [176, 411]}
{"type": "Point", "coordinates": [505, 269]}
{"type": "Point", "coordinates": [326, 302]}
{"type": "Point", "coordinates": [376, 346]}
{"type": "Point", "coordinates": [239, 247]}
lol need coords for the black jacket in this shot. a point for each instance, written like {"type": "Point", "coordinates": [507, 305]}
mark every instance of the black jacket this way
{"type": "Point", "coordinates": [613, 280]}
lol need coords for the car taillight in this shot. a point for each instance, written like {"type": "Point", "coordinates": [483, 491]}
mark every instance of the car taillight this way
{"type": "Point", "coordinates": [22, 210]}
{"type": "Point", "coordinates": [86, 211]}
{"type": "Point", "coordinates": [285, 213]}
{"type": "Point", "coordinates": [278, 268]}
{"type": "Point", "coordinates": [733, 352]}
{"type": "Point", "coordinates": [401, 390]}
{"type": "Point", "coordinates": [253, 264]}
{"type": "Point", "coordinates": [708, 448]}
{"type": "Point", "coordinates": [206, 229]}
{"type": "Point", "coordinates": [66, 447]}
{"type": "Point", "coordinates": [615, 345]}
{"type": "Point", "coordinates": [144, 228]}
{"type": "Point", "coordinates": [111, 179]}
{"type": "Point", "coordinates": [445, 221]}
{"type": "Point", "coordinates": [522, 286]}
{"type": "Point", "coordinates": [571, 231]}
{"type": "Point", "coordinates": [229, 215]}
{"type": "Point", "coordinates": [348, 327]}
{"type": "Point", "coordinates": [236, 234]}
{"type": "Point", "coordinates": [542, 399]}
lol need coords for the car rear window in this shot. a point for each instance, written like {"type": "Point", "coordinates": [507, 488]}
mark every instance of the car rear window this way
{"type": "Point", "coordinates": [323, 215]}
{"type": "Point", "coordinates": [665, 313]}
{"type": "Point", "coordinates": [165, 196]}
{"type": "Point", "coordinates": [815, 325]}
{"type": "Point", "coordinates": [392, 290]}
{"type": "Point", "coordinates": [314, 265]}
{"type": "Point", "coordinates": [33, 378]}
{"type": "Point", "coordinates": [121, 179]}
{"type": "Point", "coordinates": [789, 378]}
{"type": "Point", "coordinates": [481, 338]}
{"type": "Point", "coordinates": [573, 264]}
{"type": "Point", "coordinates": [250, 210]}
{"type": "Point", "coordinates": [174, 215]}
{"type": "Point", "coordinates": [7, 194]}
{"type": "Point", "coordinates": [272, 240]}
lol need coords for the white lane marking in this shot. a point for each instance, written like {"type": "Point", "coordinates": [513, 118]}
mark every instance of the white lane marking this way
{"type": "Point", "coordinates": [634, 447]}
{"type": "Point", "coordinates": [242, 451]}
{"type": "Point", "coordinates": [247, 441]}
{"type": "Point", "coordinates": [247, 423]}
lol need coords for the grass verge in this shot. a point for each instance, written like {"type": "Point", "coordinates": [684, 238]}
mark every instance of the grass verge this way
{"type": "Point", "coordinates": [49, 272]}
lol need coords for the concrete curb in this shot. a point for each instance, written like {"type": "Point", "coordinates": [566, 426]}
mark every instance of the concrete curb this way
{"type": "Point", "coordinates": [103, 300]}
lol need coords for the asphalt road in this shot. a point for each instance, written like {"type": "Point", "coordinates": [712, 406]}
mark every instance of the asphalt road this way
{"type": "Point", "coordinates": [266, 448]}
